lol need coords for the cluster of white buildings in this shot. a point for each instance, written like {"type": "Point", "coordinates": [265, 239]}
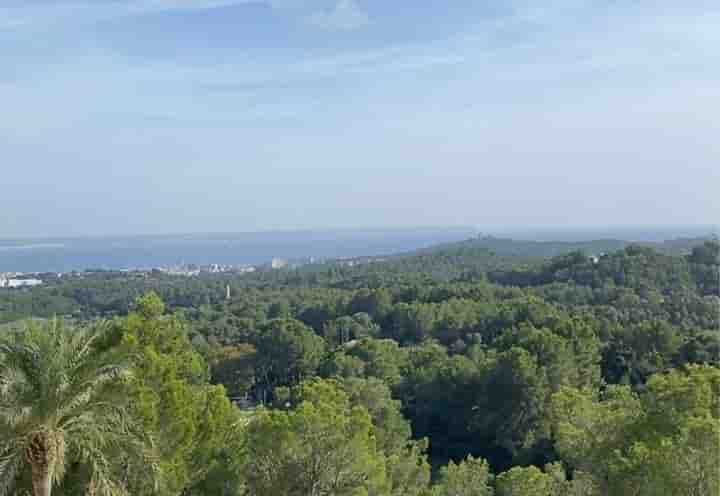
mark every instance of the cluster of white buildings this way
{"type": "Point", "coordinates": [220, 268]}
{"type": "Point", "coordinates": [353, 262]}
{"type": "Point", "coordinates": [191, 270]}
{"type": "Point", "coordinates": [284, 263]}
{"type": "Point", "coordinates": [19, 283]}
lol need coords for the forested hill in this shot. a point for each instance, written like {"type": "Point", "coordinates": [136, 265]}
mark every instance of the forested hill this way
{"type": "Point", "coordinates": [472, 258]}
{"type": "Point", "coordinates": [476, 368]}
{"type": "Point", "coordinates": [504, 261]}
{"type": "Point", "coordinates": [549, 249]}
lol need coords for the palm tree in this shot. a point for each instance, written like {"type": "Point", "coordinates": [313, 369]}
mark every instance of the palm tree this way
{"type": "Point", "coordinates": [60, 408]}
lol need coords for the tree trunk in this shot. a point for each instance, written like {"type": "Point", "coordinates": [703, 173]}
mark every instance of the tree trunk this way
{"type": "Point", "coordinates": [38, 456]}
{"type": "Point", "coordinates": [41, 481]}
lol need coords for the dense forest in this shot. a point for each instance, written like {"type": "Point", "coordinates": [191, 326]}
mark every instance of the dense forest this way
{"type": "Point", "coordinates": [477, 368]}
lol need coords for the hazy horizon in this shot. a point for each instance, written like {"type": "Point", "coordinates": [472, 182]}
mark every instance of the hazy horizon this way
{"type": "Point", "coordinates": [132, 252]}
{"type": "Point", "coordinates": [518, 232]}
{"type": "Point", "coordinates": [157, 116]}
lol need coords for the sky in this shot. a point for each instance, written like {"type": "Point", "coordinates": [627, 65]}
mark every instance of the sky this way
{"type": "Point", "coordinates": [158, 116]}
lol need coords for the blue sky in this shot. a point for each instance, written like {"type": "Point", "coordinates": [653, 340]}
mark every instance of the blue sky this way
{"type": "Point", "coordinates": [154, 116]}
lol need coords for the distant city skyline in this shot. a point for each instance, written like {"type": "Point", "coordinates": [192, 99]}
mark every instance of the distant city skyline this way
{"type": "Point", "coordinates": [133, 117]}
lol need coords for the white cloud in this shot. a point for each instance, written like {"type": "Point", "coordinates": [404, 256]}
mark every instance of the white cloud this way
{"type": "Point", "coordinates": [347, 15]}
{"type": "Point", "coordinates": [33, 15]}
{"type": "Point", "coordinates": [625, 93]}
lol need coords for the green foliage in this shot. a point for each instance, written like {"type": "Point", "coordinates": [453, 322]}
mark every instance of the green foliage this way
{"type": "Point", "coordinates": [471, 477]}
{"type": "Point", "coordinates": [348, 328]}
{"type": "Point", "coordinates": [407, 470]}
{"type": "Point", "coordinates": [63, 419]}
{"type": "Point", "coordinates": [666, 442]}
{"type": "Point", "coordinates": [479, 356]}
{"type": "Point", "coordinates": [169, 393]}
{"type": "Point", "coordinates": [234, 368]}
{"type": "Point", "coordinates": [392, 431]}
{"type": "Point", "coordinates": [551, 481]}
{"type": "Point", "coordinates": [510, 408]}
{"type": "Point", "coordinates": [524, 481]}
{"type": "Point", "coordinates": [381, 358]}
{"type": "Point", "coordinates": [287, 352]}
{"type": "Point", "coordinates": [638, 351]}
{"type": "Point", "coordinates": [705, 266]}
{"type": "Point", "coordinates": [323, 445]}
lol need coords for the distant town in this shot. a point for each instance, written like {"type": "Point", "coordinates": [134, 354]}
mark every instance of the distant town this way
{"type": "Point", "coordinates": [19, 280]}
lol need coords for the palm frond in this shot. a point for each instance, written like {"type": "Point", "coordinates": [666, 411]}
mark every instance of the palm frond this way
{"type": "Point", "coordinates": [10, 463]}
{"type": "Point", "coordinates": [83, 390]}
{"type": "Point", "coordinates": [57, 398]}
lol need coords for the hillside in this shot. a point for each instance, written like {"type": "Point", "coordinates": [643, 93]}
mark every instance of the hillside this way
{"type": "Point", "coordinates": [485, 363]}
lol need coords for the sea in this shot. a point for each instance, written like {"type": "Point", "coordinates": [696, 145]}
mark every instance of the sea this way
{"type": "Point", "coordinates": [144, 252]}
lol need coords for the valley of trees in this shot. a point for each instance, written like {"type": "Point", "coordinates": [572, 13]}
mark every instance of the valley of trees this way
{"type": "Point", "coordinates": [456, 371]}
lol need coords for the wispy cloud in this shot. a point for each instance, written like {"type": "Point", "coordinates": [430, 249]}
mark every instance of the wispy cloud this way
{"type": "Point", "coordinates": [33, 14]}
{"type": "Point", "coordinates": [347, 15]}
{"type": "Point", "coordinates": [539, 50]}
{"type": "Point", "coordinates": [653, 46]}
{"type": "Point", "coordinates": [516, 101]}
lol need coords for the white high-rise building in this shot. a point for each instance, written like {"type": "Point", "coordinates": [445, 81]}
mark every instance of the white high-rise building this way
{"type": "Point", "coordinates": [278, 263]}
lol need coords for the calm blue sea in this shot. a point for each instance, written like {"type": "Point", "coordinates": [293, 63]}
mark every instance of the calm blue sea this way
{"type": "Point", "coordinates": [63, 255]}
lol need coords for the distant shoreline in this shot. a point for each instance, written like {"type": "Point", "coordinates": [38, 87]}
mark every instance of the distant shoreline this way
{"type": "Point", "coordinates": [525, 233]}
{"type": "Point", "coordinates": [118, 253]}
